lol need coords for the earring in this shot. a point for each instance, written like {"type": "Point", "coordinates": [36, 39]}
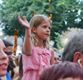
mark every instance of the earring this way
{"type": "Point", "coordinates": [79, 62]}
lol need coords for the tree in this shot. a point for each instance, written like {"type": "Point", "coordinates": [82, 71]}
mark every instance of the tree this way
{"type": "Point", "coordinates": [64, 14]}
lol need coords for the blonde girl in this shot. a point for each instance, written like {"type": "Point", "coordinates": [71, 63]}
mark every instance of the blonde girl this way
{"type": "Point", "coordinates": [36, 53]}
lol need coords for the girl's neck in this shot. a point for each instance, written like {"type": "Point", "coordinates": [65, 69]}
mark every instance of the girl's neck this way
{"type": "Point", "coordinates": [40, 43]}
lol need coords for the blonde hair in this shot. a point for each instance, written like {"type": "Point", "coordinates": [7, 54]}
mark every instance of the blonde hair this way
{"type": "Point", "coordinates": [35, 22]}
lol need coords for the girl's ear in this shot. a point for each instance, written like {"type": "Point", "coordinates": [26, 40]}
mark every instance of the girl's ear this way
{"type": "Point", "coordinates": [33, 30]}
{"type": "Point", "coordinates": [77, 56]}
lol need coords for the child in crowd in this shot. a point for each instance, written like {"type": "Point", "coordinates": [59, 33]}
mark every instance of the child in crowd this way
{"type": "Point", "coordinates": [36, 54]}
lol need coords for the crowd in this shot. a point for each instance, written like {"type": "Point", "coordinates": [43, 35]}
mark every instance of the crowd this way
{"type": "Point", "coordinates": [37, 61]}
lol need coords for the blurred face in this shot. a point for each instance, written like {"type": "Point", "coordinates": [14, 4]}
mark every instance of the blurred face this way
{"type": "Point", "coordinates": [8, 50]}
{"type": "Point", "coordinates": [3, 60]}
{"type": "Point", "coordinates": [71, 79]}
{"type": "Point", "coordinates": [43, 30]}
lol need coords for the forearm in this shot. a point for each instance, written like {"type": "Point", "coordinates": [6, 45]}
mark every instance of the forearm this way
{"type": "Point", "coordinates": [27, 46]}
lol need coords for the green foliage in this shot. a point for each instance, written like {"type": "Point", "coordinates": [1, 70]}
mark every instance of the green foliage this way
{"type": "Point", "coordinates": [64, 14]}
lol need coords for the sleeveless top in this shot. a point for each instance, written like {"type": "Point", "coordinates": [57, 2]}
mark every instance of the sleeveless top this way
{"type": "Point", "coordinates": [34, 64]}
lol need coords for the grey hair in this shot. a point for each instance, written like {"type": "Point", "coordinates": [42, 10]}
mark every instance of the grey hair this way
{"type": "Point", "coordinates": [74, 45]}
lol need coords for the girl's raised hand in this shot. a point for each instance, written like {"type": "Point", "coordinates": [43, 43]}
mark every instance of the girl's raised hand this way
{"type": "Point", "coordinates": [24, 21]}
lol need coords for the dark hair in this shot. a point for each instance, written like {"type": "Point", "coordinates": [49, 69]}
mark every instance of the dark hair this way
{"type": "Point", "coordinates": [74, 45]}
{"type": "Point", "coordinates": [7, 43]}
{"type": "Point", "coordinates": [62, 70]}
{"type": "Point", "coordinates": [20, 67]}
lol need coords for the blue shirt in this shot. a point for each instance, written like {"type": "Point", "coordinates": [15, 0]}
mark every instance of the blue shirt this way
{"type": "Point", "coordinates": [8, 77]}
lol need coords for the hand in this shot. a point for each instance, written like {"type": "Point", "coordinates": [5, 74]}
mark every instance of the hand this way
{"type": "Point", "coordinates": [24, 21]}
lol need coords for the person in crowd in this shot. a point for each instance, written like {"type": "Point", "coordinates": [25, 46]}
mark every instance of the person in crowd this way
{"type": "Point", "coordinates": [13, 67]}
{"type": "Point", "coordinates": [36, 53]}
{"type": "Point", "coordinates": [74, 50]}
{"type": "Point", "coordinates": [9, 52]}
{"type": "Point", "coordinates": [4, 75]}
{"type": "Point", "coordinates": [63, 71]}
{"type": "Point", "coordinates": [20, 66]}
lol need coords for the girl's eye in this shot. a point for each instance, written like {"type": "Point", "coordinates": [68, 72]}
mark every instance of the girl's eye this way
{"type": "Point", "coordinates": [44, 26]}
{"type": "Point", "coordinates": [50, 28]}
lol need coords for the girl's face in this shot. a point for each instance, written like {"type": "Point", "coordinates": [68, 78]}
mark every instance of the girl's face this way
{"type": "Point", "coordinates": [3, 61]}
{"type": "Point", "coordinates": [43, 30]}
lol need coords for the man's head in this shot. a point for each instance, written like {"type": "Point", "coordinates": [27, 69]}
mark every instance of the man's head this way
{"type": "Point", "coordinates": [74, 50]}
{"type": "Point", "coordinates": [9, 48]}
{"type": "Point", "coordinates": [3, 60]}
{"type": "Point", "coordinates": [63, 71]}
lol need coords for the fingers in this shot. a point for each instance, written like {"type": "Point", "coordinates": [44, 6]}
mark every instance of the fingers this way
{"type": "Point", "coordinates": [23, 21]}
{"type": "Point", "coordinates": [24, 18]}
{"type": "Point", "coordinates": [20, 20]}
{"type": "Point", "coordinates": [19, 17]}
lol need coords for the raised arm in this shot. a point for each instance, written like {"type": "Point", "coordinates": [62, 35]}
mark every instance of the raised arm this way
{"type": "Point", "coordinates": [27, 46]}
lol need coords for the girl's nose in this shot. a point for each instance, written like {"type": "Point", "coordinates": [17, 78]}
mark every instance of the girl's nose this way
{"type": "Point", "coordinates": [48, 30]}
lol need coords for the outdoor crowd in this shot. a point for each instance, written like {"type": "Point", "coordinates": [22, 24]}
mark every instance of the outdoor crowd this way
{"type": "Point", "coordinates": [37, 61]}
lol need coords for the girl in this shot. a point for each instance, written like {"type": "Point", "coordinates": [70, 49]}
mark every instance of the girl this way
{"type": "Point", "coordinates": [36, 55]}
